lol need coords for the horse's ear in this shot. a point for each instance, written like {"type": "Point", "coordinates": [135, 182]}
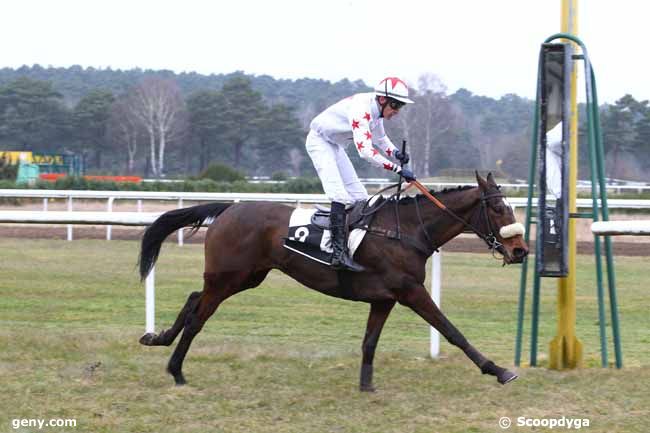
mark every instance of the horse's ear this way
{"type": "Point", "coordinates": [490, 179]}
{"type": "Point", "coordinates": [481, 182]}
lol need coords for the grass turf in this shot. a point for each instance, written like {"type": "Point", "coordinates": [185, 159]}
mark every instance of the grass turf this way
{"type": "Point", "coordinates": [281, 358]}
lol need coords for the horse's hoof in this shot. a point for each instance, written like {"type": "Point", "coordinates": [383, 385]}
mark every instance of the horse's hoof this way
{"type": "Point", "coordinates": [506, 377]}
{"type": "Point", "coordinates": [147, 339]}
{"type": "Point", "coordinates": [367, 388]}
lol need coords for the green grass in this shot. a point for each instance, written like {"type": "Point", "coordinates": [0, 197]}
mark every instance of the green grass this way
{"type": "Point", "coordinates": [281, 358]}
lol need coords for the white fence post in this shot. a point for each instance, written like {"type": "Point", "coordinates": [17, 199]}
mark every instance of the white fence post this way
{"type": "Point", "coordinates": [70, 225]}
{"type": "Point", "coordinates": [435, 296]}
{"type": "Point", "coordinates": [150, 303]}
{"type": "Point", "coordinates": [109, 228]}
{"type": "Point", "coordinates": [180, 231]}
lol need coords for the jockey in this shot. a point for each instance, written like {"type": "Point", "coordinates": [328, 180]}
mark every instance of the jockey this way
{"type": "Point", "coordinates": [358, 119]}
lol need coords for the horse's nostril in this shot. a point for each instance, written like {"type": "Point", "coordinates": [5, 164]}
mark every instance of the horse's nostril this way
{"type": "Point", "coordinates": [520, 253]}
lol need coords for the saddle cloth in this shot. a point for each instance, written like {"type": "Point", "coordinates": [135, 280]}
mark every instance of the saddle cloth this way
{"type": "Point", "coordinates": [314, 241]}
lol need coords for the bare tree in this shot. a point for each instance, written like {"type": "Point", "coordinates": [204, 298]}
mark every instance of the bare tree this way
{"type": "Point", "coordinates": [159, 107]}
{"type": "Point", "coordinates": [426, 122]}
{"type": "Point", "coordinates": [124, 130]}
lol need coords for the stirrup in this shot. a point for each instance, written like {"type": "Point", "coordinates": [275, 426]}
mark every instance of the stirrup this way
{"type": "Point", "coordinates": [347, 264]}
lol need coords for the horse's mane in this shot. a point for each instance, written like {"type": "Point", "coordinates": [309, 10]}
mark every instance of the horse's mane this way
{"type": "Point", "coordinates": [410, 199]}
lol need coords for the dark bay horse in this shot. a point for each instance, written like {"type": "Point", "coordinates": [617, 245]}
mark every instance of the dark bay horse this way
{"type": "Point", "coordinates": [245, 241]}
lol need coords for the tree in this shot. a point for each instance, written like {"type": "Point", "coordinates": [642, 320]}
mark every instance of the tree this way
{"type": "Point", "coordinates": [426, 122]}
{"type": "Point", "coordinates": [619, 135]}
{"type": "Point", "coordinates": [32, 116]}
{"type": "Point", "coordinates": [241, 116]}
{"type": "Point", "coordinates": [160, 109]}
{"type": "Point", "coordinates": [90, 120]}
{"type": "Point", "coordinates": [280, 135]}
{"type": "Point", "coordinates": [205, 122]}
{"type": "Point", "coordinates": [125, 130]}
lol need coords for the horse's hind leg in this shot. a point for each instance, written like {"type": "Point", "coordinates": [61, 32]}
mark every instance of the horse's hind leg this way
{"type": "Point", "coordinates": [419, 301]}
{"type": "Point", "coordinates": [217, 288]}
{"type": "Point", "coordinates": [167, 336]}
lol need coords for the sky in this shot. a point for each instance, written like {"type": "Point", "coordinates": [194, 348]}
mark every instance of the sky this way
{"type": "Point", "coordinates": [489, 47]}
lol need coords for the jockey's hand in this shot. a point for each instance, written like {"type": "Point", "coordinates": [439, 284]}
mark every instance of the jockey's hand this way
{"type": "Point", "coordinates": [404, 158]}
{"type": "Point", "coordinates": [407, 175]}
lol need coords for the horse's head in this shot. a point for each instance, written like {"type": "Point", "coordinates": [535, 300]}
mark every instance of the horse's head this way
{"type": "Point", "coordinates": [497, 222]}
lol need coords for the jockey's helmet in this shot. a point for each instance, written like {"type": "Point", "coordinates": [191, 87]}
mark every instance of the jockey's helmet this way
{"type": "Point", "coordinates": [393, 87]}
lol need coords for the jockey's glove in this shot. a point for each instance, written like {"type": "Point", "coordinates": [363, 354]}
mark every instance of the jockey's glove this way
{"type": "Point", "coordinates": [404, 158]}
{"type": "Point", "coordinates": [407, 175]}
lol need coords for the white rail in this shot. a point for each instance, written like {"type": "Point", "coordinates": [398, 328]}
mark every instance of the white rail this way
{"type": "Point", "coordinates": [583, 203]}
{"type": "Point", "coordinates": [632, 228]}
{"type": "Point", "coordinates": [87, 218]}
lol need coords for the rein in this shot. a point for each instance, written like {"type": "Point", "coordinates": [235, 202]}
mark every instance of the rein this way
{"type": "Point", "coordinates": [490, 239]}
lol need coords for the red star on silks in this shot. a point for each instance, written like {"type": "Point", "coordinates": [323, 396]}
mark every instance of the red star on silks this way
{"type": "Point", "coordinates": [389, 152]}
{"type": "Point", "coordinates": [367, 116]}
{"type": "Point", "coordinates": [374, 152]}
{"type": "Point", "coordinates": [355, 124]}
{"type": "Point", "coordinates": [368, 135]}
{"type": "Point", "coordinates": [360, 145]}
{"type": "Point", "coordinates": [388, 166]}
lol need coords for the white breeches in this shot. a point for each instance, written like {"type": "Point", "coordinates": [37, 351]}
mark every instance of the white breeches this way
{"type": "Point", "coordinates": [335, 170]}
{"type": "Point", "coordinates": [553, 173]}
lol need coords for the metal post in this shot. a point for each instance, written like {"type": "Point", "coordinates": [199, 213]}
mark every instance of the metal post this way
{"type": "Point", "coordinates": [611, 278]}
{"type": "Point", "coordinates": [534, 326]}
{"type": "Point", "coordinates": [594, 203]}
{"type": "Point", "coordinates": [532, 165]}
{"type": "Point", "coordinates": [565, 350]}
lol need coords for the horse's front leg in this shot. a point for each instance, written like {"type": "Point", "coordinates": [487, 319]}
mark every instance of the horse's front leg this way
{"type": "Point", "coordinates": [379, 312]}
{"type": "Point", "coordinates": [419, 301]}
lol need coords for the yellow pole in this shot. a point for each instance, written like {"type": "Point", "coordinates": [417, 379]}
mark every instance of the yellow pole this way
{"type": "Point", "coordinates": [565, 348]}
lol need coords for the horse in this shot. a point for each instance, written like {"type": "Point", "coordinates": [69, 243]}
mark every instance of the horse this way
{"type": "Point", "coordinates": [245, 241]}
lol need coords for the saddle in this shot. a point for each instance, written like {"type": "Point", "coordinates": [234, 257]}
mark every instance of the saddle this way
{"type": "Point", "coordinates": [360, 214]}
{"type": "Point", "coordinates": [309, 235]}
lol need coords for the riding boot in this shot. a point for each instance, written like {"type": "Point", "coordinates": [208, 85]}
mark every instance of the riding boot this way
{"type": "Point", "coordinates": [338, 225]}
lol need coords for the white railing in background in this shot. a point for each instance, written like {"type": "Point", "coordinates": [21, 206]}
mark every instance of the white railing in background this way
{"type": "Point", "coordinates": [297, 199]}
{"type": "Point", "coordinates": [616, 185]}
{"type": "Point", "coordinates": [632, 228]}
{"type": "Point", "coordinates": [180, 197]}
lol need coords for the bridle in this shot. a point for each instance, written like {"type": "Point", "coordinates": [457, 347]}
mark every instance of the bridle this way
{"type": "Point", "coordinates": [489, 238]}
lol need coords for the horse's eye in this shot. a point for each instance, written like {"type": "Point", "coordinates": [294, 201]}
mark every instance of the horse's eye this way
{"type": "Point", "coordinates": [499, 209]}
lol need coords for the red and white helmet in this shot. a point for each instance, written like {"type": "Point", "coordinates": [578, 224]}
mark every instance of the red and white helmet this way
{"type": "Point", "coordinates": [393, 87]}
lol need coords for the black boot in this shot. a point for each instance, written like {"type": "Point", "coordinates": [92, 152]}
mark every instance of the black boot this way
{"type": "Point", "coordinates": [340, 258]}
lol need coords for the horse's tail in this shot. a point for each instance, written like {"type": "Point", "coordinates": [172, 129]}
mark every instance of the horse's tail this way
{"type": "Point", "coordinates": [169, 222]}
